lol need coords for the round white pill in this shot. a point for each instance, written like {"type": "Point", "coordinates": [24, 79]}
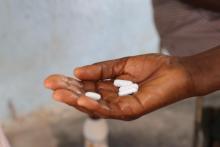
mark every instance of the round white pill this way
{"type": "Point", "coordinates": [124, 88]}
{"type": "Point", "coordinates": [93, 95]}
{"type": "Point", "coordinates": [120, 83]}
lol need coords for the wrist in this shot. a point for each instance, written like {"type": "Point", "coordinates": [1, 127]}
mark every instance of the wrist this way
{"type": "Point", "coordinates": [192, 69]}
{"type": "Point", "coordinates": [204, 75]}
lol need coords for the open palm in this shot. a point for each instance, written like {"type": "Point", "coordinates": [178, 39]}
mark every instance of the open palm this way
{"type": "Point", "coordinates": [162, 80]}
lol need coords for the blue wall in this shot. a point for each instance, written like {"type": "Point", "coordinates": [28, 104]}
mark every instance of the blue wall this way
{"type": "Point", "coordinates": [40, 37]}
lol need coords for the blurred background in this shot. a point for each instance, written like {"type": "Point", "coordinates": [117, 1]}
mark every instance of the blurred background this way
{"type": "Point", "coordinates": [41, 37]}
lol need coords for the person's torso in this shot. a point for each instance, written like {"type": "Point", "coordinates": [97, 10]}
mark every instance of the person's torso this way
{"type": "Point", "coordinates": [185, 30]}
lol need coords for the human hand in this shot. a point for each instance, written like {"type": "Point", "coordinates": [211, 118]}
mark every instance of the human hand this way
{"type": "Point", "coordinates": [162, 80]}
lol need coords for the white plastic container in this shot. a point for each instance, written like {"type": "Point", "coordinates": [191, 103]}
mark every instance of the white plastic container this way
{"type": "Point", "coordinates": [3, 140]}
{"type": "Point", "coordinates": [95, 132]}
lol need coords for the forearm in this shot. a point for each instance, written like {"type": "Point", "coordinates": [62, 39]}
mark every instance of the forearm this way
{"type": "Point", "coordinates": [205, 70]}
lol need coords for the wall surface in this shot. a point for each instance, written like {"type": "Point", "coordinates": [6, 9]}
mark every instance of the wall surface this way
{"type": "Point", "coordinates": [40, 37]}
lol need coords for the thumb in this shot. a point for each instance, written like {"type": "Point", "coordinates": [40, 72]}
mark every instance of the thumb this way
{"type": "Point", "coordinates": [101, 70]}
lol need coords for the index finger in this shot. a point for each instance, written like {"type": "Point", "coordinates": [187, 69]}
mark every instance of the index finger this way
{"type": "Point", "coordinates": [101, 70]}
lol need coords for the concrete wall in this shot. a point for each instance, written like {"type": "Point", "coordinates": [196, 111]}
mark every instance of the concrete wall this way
{"type": "Point", "coordinates": [40, 37]}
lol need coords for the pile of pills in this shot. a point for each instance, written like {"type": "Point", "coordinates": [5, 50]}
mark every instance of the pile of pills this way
{"type": "Point", "coordinates": [125, 88]}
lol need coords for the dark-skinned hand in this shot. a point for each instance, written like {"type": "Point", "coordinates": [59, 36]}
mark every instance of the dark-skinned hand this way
{"type": "Point", "coordinates": [162, 80]}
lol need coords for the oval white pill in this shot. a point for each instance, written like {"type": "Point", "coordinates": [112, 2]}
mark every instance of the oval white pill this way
{"type": "Point", "coordinates": [124, 88]}
{"type": "Point", "coordinates": [93, 95]}
{"type": "Point", "coordinates": [120, 83]}
{"type": "Point", "coordinates": [127, 91]}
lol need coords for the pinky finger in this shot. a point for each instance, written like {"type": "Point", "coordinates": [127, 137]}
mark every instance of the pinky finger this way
{"type": "Point", "coordinates": [65, 96]}
{"type": "Point", "coordinates": [69, 98]}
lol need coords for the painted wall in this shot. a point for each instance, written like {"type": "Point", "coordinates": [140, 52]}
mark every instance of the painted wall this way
{"type": "Point", "coordinates": [40, 37]}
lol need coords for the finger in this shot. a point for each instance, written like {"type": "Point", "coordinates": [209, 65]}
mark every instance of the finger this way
{"type": "Point", "coordinates": [127, 77]}
{"type": "Point", "coordinates": [73, 81]}
{"type": "Point", "coordinates": [108, 96]}
{"type": "Point", "coordinates": [93, 106]}
{"type": "Point", "coordinates": [89, 85]}
{"type": "Point", "coordinates": [101, 109]}
{"type": "Point", "coordinates": [62, 82]}
{"type": "Point", "coordinates": [141, 67]}
{"type": "Point", "coordinates": [69, 98]}
{"type": "Point", "coordinates": [56, 80]}
{"type": "Point", "coordinates": [102, 70]}
{"type": "Point", "coordinates": [106, 85]}
{"type": "Point", "coordinates": [66, 96]}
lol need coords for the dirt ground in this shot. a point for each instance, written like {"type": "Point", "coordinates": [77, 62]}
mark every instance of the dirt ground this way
{"type": "Point", "coordinates": [62, 127]}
